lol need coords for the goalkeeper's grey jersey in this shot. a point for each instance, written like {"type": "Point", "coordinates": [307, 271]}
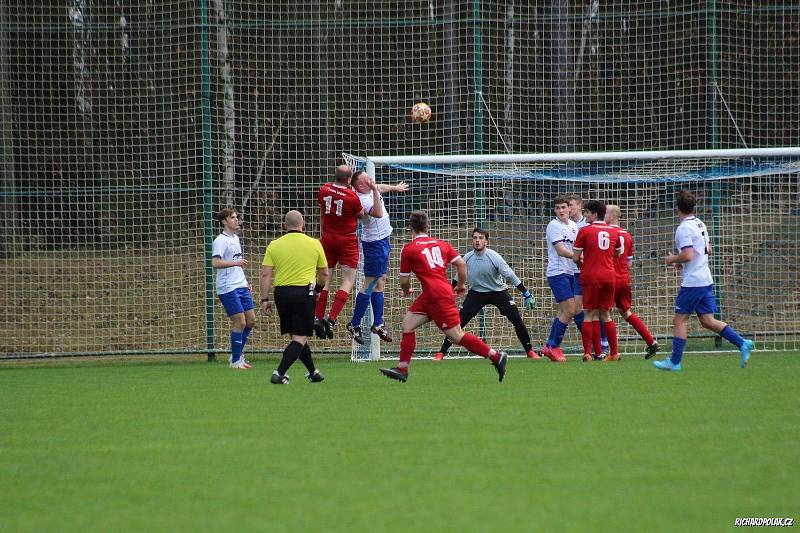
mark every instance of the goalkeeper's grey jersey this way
{"type": "Point", "coordinates": [487, 271]}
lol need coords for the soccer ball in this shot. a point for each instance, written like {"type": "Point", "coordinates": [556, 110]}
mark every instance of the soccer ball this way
{"type": "Point", "coordinates": [421, 113]}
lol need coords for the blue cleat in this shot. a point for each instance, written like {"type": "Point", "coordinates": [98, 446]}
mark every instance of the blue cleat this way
{"type": "Point", "coordinates": [667, 364]}
{"type": "Point", "coordinates": [744, 352]}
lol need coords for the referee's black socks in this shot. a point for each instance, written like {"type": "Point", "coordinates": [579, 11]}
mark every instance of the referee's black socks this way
{"type": "Point", "coordinates": [290, 355]}
{"type": "Point", "coordinates": [305, 357]}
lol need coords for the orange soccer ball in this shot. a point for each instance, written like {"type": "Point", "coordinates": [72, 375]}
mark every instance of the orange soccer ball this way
{"type": "Point", "coordinates": [421, 113]}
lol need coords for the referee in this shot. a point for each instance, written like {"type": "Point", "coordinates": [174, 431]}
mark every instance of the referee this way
{"type": "Point", "coordinates": [486, 270]}
{"type": "Point", "coordinates": [299, 268]}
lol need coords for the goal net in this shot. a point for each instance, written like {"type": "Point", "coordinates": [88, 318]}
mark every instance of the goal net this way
{"type": "Point", "coordinates": [749, 201]}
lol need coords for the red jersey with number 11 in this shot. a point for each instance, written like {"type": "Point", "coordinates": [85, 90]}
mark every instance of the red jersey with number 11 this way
{"type": "Point", "coordinates": [599, 241]}
{"type": "Point", "coordinates": [428, 259]}
{"type": "Point", "coordinates": [340, 207]}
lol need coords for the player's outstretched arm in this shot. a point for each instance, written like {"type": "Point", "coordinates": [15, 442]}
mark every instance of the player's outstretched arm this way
{"type": "Point", "coordinates": [385, 188]}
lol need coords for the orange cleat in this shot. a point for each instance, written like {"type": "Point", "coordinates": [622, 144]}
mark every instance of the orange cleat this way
{"type": "Point", "coordinates": [438, 356]}
{"type": "Point", "coordinates": [554, 354]}
{"type": "Point", "coordinates": [612, 357]}
{"type": "Point", "coordinates": [533, 355]}
{"type": "Point", "coordinates": [587, 357]}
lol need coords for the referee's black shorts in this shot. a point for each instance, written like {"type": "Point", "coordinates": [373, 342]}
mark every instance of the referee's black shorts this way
{"type": "Point", "coordinates": [295, 307]}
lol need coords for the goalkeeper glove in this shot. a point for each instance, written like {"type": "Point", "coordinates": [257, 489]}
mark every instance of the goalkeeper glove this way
{"type": "Point", "coordinates": [530, 301]}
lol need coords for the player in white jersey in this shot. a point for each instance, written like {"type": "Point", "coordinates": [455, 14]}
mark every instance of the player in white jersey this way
{"type": "Point", "coordinates": [560, 234]}
{"type": "Point", "coordinates": [233, 289]}
{"type": "Point", "coordinates": [576, 215]}
{"type": "Point", "coordinates": [375, 232]}
{"type": "Point", "coordinates": [696, 294]}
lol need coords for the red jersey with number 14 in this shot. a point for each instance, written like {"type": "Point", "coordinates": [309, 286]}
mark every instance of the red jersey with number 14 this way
{"type": "Point", "coordinates": [428, 258]}
{"type": "Point", "coordinates": [340, 207]}
{"type": "Point", "coordinates": [599, 241]}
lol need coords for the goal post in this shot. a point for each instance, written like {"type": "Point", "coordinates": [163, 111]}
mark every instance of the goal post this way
{"type": "Point", "coordinates": [748, 198]}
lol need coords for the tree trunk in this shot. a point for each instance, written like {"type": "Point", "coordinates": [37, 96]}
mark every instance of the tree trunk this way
{"type": "Point", "coordinates": [229, 104]}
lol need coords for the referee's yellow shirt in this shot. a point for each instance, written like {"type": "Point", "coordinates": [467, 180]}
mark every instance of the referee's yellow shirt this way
{"type": "Point", "coordinates": [295, 258]}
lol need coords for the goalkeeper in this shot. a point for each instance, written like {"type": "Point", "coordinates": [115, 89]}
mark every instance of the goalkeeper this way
{"type": "Point", "coordinates": [486, 275]}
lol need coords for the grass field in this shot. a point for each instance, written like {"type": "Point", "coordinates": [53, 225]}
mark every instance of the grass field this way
{"type": "Point", "coordinates": [186, 445]}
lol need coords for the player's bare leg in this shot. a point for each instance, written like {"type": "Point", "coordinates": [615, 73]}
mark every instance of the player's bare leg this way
{"type": "Point", "coordinates": [721, 328]}
{"type": "Point", "coordinates": [475, 345]}
{"type": "Point", "coordinates": [408, 342]}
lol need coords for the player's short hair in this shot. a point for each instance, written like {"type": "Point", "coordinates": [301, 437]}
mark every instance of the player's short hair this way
{"type": "Point", "coordinates": [574, 196]}
{"type": "Point", "coordinates": [356, 176]}
{"type": "Point", "coordinates": [560, 200]}
{"type": "Point", "coordinates": [482, 231]}
{"type": "Point", "coordinates": [685, 201]}
{"type": "Point", "coordinates": [418, 221]}
{"type": "Point", "coordinates": [224, 213]}
{"type": "Point", "coordinates": [343, 173]}
{"type": "Point", "coordinates": [597, 207]}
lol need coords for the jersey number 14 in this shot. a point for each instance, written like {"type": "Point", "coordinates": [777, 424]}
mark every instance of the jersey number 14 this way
{"type": "Point", "coordinates": [434, 256]}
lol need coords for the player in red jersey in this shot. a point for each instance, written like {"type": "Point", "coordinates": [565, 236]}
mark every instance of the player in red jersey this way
{"type": "Point", "coordinates": [341, 209]}
{"type": "Point", "coordinates": [599, 244]}
{"type": "Point", "coordinates": [622, 285]}
{"type": "Point", "coordinates": [428, 258]}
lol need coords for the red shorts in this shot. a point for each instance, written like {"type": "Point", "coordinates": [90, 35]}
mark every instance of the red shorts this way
{"type": "Point", "coordinates": [598, 296]}
{"type": "Point", "coordinates": [340, 249]}
{"type": "Point", "coordinates": [622, 295]}
{"type": "Point", "coordinates": [443, 312]}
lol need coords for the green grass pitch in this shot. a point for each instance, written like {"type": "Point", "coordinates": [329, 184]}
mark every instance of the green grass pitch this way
{"type": "Point", "coordinates": [177, 445]}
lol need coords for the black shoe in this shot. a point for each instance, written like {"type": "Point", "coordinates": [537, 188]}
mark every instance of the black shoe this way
{"type": "Point", "coordinates": [355, 332]}
{"type": "Point", "coordinates": [651, 350]}
{"type": "Point", "coordinates": [394, 373]}
{"type": "Point", "coordinates": [277, 379]}
{"type": "Point", "coordinates": [381, 332]}
{"type": "Point", "coordinates": [500, 365]}
{"type": "Point", "coordinates": [316, 377]}
{"type": "Point", "coordinates": [319, 328]}
{"type": "Point", "coordinates": [328, 324]}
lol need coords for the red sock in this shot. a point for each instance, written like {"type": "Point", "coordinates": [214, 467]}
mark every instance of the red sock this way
{"type": "Point", "coordinates": [338, 303]}
{"type": "Point", "coordinates": [611, 335]}
{"type": "Point", "coordinates": [475, 345]}
{"type": "Point", "coordinates": [322, 304]}
{"type": "Point", "coordinates": [408, 341]}
{"type": "Point", "coordinates": [596, 337]}
{"type": "Point", "coordinates": [586, 337]}
{"type": "Point", "coordinates": [640, 328]}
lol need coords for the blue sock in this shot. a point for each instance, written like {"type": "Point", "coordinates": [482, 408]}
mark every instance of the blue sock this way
{"type": "Point", "coordinates": [603, 338]}
{"type": "Point", "coordinates": [678, 345]}
{"type": "Point", "coordinates": [732, 336]}
{"type": "Point", "coordinates": [362, 301]}
{"type": "Point", "coordinates": [551, 339]}
{"type": "Point", "coordinates": [377, 307]}
{"type": "Point", "coordinates": [245, 335]}
{"type": "Point", "coordinates": [579, 321]}
{"type": "Point", "coordinates": [561, 329]}
{"type": "Point", "coordinates": [237, 345]}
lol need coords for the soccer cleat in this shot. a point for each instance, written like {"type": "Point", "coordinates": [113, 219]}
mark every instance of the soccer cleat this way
{"type": "Point", "coordinates": [600, 357]}
{"type": "Point", "coordinates": [744, 352]}
{"type": "Point", "coordinates": [381, 332]}
{"type": "Point", "coordinates": [651, 350]}
{"type": "Point", "coordinates": [316, 377]}
{"type": "Point", "coordinates": [500, 365]}
{"type": "Point", "coordinates": [395, 373]}
{"type": "Point", "coordinates": [438, 356]}
{"type": "Point", "coordinates": [612, 357]}
{"type": "Point", "coordinates": [328, 324]}
{"type": "Point", "coordinates": [240, 365]}
{"type": "Point", "coordinates": [277, 379]}
{"type": "Point", "coordinates": [247, 364]}
{"type": "Point", "coordinates": [533, 355]}
{"type": "Point", "coordinates": [319, 328]}
{"type": "Point", "coordinates": [587, 357]}
{"type": "Point", "coordinates": [667, 364]}
{"type": "Point", "coordinates": [355, 332]}
{"type": "Point", "coordinates": [554, 354]}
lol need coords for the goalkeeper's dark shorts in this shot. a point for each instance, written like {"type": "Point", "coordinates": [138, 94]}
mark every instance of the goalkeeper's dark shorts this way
{"type": "Point", "coordinates": [295, 305]}
{"type": "Point", "coordinates": [475, 301]}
